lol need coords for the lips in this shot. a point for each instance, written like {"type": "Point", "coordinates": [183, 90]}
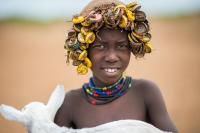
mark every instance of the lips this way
{"type": "Point", "coordinates": [111, 71]}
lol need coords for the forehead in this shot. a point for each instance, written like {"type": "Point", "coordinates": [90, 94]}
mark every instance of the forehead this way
{"type": "Point", "coordinates": [106, 34]}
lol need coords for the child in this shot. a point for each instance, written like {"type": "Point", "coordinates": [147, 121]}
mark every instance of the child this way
{"type": "Point", "coordinates": [102, 39]}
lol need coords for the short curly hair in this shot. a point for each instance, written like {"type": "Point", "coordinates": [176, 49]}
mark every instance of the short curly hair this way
{"type": "Point", "coordinates": [111, 14]}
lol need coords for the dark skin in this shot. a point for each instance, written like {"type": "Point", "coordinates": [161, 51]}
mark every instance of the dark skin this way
{"type": "Point", "coordinates": [142, 102]}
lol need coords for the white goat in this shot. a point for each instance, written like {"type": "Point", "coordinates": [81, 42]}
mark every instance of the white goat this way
{"type": "Point", "coordinates": [38, 118]}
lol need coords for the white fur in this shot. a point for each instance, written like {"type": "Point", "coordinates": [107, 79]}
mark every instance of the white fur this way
{"type": "Point", "coordinates": [38, 118]}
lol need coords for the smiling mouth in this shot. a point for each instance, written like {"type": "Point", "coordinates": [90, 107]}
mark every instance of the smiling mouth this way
{"type": "Point", "coordinates": [110, 70]}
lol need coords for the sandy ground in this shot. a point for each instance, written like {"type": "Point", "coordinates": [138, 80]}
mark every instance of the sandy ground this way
{"type": "Point", "coordinates": [32, 63]}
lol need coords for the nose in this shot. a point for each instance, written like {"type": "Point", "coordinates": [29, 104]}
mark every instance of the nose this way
{"type": "Point", "coordinates": [111, 56]}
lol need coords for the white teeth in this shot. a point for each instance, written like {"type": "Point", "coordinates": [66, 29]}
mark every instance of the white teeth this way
{"type": "Point", "coordinates": [110, 70]}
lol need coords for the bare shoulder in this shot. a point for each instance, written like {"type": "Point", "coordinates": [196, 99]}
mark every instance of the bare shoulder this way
{"type": "Point", "coordinates": [150, 92]}
{"type": "Point", "coordinates": [73, 94]}
{"type": "Point", "coordinates": [145, 84]}
{"type": "Point", "coordinates": [64, 114]}
{"type": "Point", "coordinates": [155, 105]}
{"type": "Point", "coordinates": [146, 87]}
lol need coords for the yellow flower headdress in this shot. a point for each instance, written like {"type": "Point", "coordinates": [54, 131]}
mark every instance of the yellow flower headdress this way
{"type": "Point", "coordinates": [111, 15]}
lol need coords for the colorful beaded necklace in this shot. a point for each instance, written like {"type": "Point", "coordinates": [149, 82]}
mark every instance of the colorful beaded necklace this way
{"type": "Point", "coordinates": [102, 95]}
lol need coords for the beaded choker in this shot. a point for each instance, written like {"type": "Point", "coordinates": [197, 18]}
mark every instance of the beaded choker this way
{"type": "Point", "coordinates": [97, 95]}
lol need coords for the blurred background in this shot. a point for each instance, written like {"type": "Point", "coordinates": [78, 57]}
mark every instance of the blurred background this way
{"type": "Point", "coordinates": [32, 61]}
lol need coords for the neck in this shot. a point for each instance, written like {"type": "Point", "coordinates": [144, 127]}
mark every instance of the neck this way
{"type": "Point", "coordinates": [100, 83]}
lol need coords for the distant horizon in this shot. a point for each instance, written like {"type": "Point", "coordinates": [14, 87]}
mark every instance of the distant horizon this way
{"type": "Point", "coordinates": [44, 10]}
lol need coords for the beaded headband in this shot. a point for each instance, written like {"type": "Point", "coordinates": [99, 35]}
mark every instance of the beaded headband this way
{"type": "Point", "coordinates": [113, 16]}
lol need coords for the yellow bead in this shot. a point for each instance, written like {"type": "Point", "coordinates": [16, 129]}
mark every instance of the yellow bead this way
{"type": "Point", "coordinates": [82, 69]}
{"type": "Point", "coordinates": [130, 15]}
{"type": "Point", "coordinates": [104, 88]}
{"type": "Point", "coordinates": [119, 6]}
{"type": "Point", "coordinates": [90, 37]}
{"type": "Point", "coordinates": [83, 55]}
{"type": "Point", "coordinates": [129, 38]}
{"type": "Point", "coordinates": [84, 46]}
{"type": "Point", "coordinates": [148, 47]}
{"type": "Point", "coordinates": [87, 91]}
{"type": "Point", "coordinates": [81, 38]}
{"type": "Point", "coordinates": [84, 30]}
{"type": "Point", "coordinates": [130, 5]}
{"type": "Point", "coordinates": [88, 62]}
{"type": "Point", "coordinates": [77, 20]}
{"type": "Point", "coordinates": [145, 39]}
{"type": "Point", "coordinates": [77, 28]}
{"type": "Point", "coordinates": [85, 24]}
{"type": "Point", "coordinates": [123, 22]}
{"type": "Point", "coordinates": [136, 35]}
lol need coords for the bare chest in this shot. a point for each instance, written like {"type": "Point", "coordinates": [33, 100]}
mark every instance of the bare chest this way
{"type": "Point", "coordinates": [129, 106]}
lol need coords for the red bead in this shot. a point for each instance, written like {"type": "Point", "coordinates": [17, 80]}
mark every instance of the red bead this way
{"type": "Point", "coordinates": [94, 102]}
{"type": "Point", "coordinates": [96, 95]}
{"type": "Point", "coordinates": [120, 86]}
{"type": "Point", "coordinates": [108, 92]}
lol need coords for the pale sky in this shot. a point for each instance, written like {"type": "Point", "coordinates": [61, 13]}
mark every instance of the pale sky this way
{"type": "Point", "coordinates": [52, 9]}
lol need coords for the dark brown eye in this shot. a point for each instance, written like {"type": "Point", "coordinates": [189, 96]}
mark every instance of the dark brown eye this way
{"type": "Point", "coordinates": [99, 46]}
{"type": "Point", "coordinates": [122, 46]}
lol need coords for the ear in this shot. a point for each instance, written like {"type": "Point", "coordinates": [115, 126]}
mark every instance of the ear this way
{"type": "Point", "coordinates": [56, 99]}
{"type": "Point", "coordinates": [12, 114]}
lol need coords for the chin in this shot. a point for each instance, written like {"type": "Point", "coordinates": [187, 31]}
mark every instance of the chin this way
{"type": "Point", "coordinates": [111, 79]}
{"type": "Point", "coordinates": [108, 77]}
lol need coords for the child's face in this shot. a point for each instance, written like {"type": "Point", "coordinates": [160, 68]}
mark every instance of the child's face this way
{"type": "Point", "coordinates": [110, 56]}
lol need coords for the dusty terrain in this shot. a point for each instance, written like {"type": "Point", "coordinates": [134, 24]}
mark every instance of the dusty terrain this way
{"type": "Point", "coordinates": [32, 63]}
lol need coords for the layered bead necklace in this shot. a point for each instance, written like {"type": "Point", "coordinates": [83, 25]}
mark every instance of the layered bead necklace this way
{"type": "Point", "coordinates": [102, 95]}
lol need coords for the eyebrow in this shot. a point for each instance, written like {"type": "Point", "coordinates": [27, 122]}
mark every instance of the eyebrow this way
{"type": "Point", "coordinates": [118, 41]}
{"type": "Point", "coordinates": [121, 41]}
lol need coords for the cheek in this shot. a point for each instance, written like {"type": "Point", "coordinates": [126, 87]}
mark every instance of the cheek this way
{"type": "Point", "coordinates": [126, 58]}
{"type": "Point", "coordinates": [95, 58]}
{"type": "Point", "coordinates": [125, 53]}
{"type": "Point", "coordinates": [96, 61]}
{"type": "Point", "coordinates": [94, 55]}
